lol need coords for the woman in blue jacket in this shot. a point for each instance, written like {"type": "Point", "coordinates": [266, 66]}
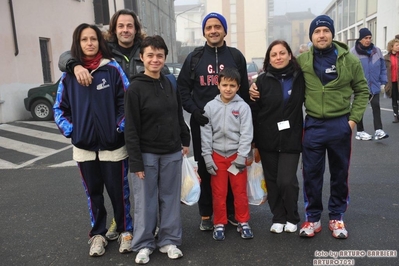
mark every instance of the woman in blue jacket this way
{"type": "Point", "coordinates": [93, 117]}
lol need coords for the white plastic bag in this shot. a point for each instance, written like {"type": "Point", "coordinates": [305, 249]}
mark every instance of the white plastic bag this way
{"type": "Point", "coordinates": [256, 185]}
{"type": "Point", "coordinates": [190, 184]}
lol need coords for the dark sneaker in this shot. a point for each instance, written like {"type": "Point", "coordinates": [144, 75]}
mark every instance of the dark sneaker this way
{"type": "Point", "coordinates": [245, 230]}
{"type": "Point", "coordinates": [111, 233]}
{"type": "Point", "coordinates": [232, 220]}
{"type": "Point", "coordinates": [218, 232]}
{"type": "Point", "coordinates": [206, 224]}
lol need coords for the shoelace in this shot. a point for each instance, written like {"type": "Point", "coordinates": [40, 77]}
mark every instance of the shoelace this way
{"type": "Point", "coordinates": [308, 225]}
{"type": "Point", "coordinates": [338, 225]}
{"type": "Point", "coordinates": [112, 226]}
{"type": "Point", "coordinates": [245, 226]}
{"type": "Point", "coordinates": [96, 241]}
{"type": "Point", "coordinates": [125, 237]}
{"type": "Point", "coordinates": [219, 228]}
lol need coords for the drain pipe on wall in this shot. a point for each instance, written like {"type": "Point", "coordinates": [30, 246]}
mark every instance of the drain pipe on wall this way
{"type": "Point", "coordinates": [14, 30]}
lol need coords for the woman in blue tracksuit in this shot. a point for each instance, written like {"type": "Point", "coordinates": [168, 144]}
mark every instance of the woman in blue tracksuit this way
{"type": "Point", "coordinates": [93, 117]}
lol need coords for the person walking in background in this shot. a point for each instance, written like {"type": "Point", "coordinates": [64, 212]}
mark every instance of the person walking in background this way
{"type": "Point", "coordinates": [197, 83]}
{"type": "Point", "coordinates": [79, 113]}
{"type": "Point", "coordinates": [278, 128]}
{"type": "Point", "coordinates": [375, 72]}
{"type": "Point", "coordinates": [226, 142]}
{"type": "Point", "coordinates": [392, 64]}
{"type": "Point", "coordinates": [157, 137]}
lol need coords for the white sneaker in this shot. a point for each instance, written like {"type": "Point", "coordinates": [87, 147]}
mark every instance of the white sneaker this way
{"type": "Point", "coordinates": [143, 257]}
{"type": "Point", "coordinates": [125, 242]}
{"type": "Point", "coordinates": [97, 245]}
{"type": "Point", "coordinates": [337, 228]}
{"type": "Point", "coordinates": [309, 229]}
{"type": "Point", "coordinates": [277, 228]}
{"type": "Point", "coordinates": [290, 228]}
{"type": "Point", "coordinates": [363, 135]}
{"type": "Point", "coordinates": [172, 250]}
{"type": "Point", "coordinates": [380, 134]}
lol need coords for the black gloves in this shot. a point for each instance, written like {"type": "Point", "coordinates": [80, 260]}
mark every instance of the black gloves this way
{"type": "Point", "coordinates": [201, 119]}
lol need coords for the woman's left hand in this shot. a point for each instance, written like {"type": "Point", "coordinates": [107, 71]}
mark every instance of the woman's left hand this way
{"type": "Point", "coordinates": [185, 150]}
{"type": "Point", "coordinates": [140, 175]}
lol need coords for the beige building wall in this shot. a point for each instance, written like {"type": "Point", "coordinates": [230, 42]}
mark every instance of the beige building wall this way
{"type": "Point", "coordinates": [21, 69]}
{"type": "Point", "coordinates": [55, 21]}
{"type": "Point", "coordinates": [247, 25]}
{"type": "Point", "coordinates": [300, 33]}
{"type": "Point", "coordinates": [255, 28]}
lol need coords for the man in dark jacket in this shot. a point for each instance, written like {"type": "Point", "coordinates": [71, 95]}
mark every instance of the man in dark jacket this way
{"type": "Point", "coordinates": [198, 89]}
{"type": "Point", "coordinates": [124, 37]}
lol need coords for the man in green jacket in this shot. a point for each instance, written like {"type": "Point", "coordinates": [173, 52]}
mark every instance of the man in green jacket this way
{"type": "Point", "coordinates": [332, 75]}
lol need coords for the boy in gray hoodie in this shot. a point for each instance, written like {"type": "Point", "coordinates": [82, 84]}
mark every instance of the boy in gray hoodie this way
{"type": "Point", "coordinates": [226, 143]}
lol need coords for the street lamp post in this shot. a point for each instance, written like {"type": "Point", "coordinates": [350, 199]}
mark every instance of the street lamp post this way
{"type": "Point", "coordinates": [194, 7]}
{"type": "Point", "coordinates": [200, 5]}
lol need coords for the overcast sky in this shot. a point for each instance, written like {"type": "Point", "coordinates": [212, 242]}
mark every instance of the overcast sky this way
{"type": "Point", "coordinates": [283, 6]}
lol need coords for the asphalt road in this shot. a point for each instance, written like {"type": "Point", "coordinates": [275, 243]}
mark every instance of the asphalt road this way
{"type": "Point", "coordinates": [45, 219]}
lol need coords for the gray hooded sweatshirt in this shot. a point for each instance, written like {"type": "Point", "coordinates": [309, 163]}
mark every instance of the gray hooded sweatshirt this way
{"type": "Point", "coordinates": [229, 130]}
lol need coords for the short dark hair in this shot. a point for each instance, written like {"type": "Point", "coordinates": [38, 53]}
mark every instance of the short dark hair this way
{"type": "Point", "coordinates": [269, 49]}
{"type": "Point", "coordinates": [76, 49]}
{"type": "Point", "coordinates": [230, 73]}
{"type": "Point", "coordinates": [111, 33]}
{"type": "Point", "coordinates": [156, 42]}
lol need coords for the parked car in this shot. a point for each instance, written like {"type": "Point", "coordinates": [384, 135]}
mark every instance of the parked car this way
{"type": "Point", "coordinates": [253, 71]}
{"type": "Point", "coordinates": [174, 68]}
{"type": "Point", "coordinates": [40, 101]}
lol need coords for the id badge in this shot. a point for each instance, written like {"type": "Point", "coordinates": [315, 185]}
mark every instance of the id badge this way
{"type": "Point", "coordinates": [283, 125]}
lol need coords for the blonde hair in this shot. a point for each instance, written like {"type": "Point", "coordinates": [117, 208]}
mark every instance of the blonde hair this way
{"type": "Point", "coordinates": [390, 45]}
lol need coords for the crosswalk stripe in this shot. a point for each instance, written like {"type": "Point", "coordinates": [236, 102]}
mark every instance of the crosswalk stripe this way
{"type": "Point", "coordinates": [40, 123]}
{"type": "Point", "coordinates": [25, 147]}
{"type": "Point", "coordinates": [7, 165]}
{"type": "Point", "coordinates": [35, 133]}
{"type": "Point", "coordinates": [41, 157]}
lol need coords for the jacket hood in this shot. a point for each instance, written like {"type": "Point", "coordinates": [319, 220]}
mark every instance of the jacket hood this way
{"type": "Point", "coordinates": [103, 62]}
{"type": "Point", "coordinates": [342, 47]}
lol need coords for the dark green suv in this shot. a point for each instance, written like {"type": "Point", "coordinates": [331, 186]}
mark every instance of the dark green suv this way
{"type": "Point", "coordinates": [40, 101]}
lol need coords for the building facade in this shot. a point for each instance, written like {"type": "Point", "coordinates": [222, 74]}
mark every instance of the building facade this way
{"type": "Point", "coordinates": [247, 23]}
{"type": "Point", "coordinates": [34, 34]}
{"type": "Point", "coordinates": [379, 16]}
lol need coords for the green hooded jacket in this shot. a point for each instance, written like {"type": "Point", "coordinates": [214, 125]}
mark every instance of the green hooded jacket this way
{"type": "Point", "coordinates": [335, 98]}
